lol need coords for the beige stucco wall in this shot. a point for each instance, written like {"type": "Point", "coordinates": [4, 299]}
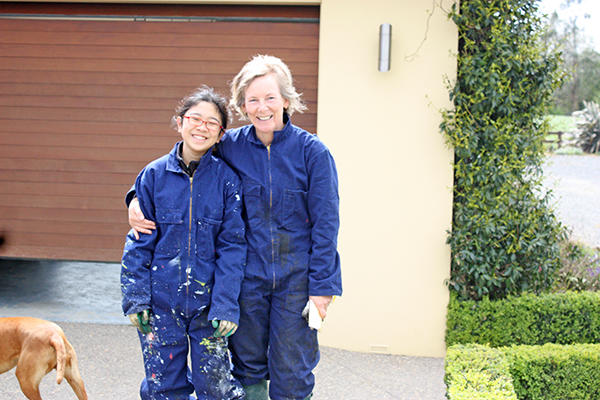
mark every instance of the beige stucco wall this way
{"type": "Point", "coordinates": [395, 172]}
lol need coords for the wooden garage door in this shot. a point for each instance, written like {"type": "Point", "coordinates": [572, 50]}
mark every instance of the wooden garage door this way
{"type": "Point", "coordinates": [86, 102]}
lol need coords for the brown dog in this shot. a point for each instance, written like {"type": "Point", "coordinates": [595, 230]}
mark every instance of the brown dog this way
{"type": "Point", "coordinates": [37, 347]}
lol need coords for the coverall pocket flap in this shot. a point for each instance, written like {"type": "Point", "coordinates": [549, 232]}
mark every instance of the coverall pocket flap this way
{"type": "Point", "coordinates": [295, 212]}
{"type": "Point", "coordinates": [169, 216]}
{"type": "Point", "coordinates": [252, 189]}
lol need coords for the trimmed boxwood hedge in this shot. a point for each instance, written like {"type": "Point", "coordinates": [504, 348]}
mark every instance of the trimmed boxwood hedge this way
{"type": "Point", "coordinates": [563, 318]}
{"type": "Point", "coordinates": [548, 372]}
{"type": "Point", "coordinates": [561, 372]}
{"type": "Point", "coordinates": [477, 372]}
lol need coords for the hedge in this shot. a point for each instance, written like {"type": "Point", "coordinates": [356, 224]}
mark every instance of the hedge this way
{"type": "Point", "coordinates": [562, 318]}
{"type": "Point", "coordinates": [548, 372]}
{"type": "Point", "coordinates": [477, 372]}
{"type": "Point", "coordinates": [561, 372]}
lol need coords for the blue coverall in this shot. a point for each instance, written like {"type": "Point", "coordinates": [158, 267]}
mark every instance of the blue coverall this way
{"type": "Point", "coordinates": [292, 216]}
{"type": "Point", "coordinates": [188, 272]}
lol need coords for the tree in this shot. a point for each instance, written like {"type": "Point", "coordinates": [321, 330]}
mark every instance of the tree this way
{"type": "Point", "coordinates": [504, 237]}
{"type": "Point", "coordinates": [581, 63]}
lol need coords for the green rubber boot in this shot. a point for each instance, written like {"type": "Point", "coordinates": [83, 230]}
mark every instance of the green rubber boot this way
{"type": "Point", "coordinates": [258, 391]}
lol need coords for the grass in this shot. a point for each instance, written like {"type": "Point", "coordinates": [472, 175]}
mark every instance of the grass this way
{"type": "Point", "coordinates": [561, 123]}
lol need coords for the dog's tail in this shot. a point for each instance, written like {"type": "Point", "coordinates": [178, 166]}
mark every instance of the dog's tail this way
{"type": "Point", "coordinates": [56, 341]}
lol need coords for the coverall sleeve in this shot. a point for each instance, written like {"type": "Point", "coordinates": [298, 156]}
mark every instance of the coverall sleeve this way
{"type": "Point", "coordinates": [231, 257]}
{"type": "Point", "coordinates": [324, 275]}
{"type": "Point", "coordinates": [130, 195]}
{"type": "Point", "coordinates": [138, 254]}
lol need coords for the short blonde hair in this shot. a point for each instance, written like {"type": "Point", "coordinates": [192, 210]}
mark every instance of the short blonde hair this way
{"type": "Point", "coordinates": [261, 65]}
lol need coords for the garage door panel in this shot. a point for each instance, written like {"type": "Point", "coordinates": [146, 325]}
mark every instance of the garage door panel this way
{"type": "Point", "coordinates": [83, 102]}
{"type": "Point", "coordinates": [84, 105]}
{"type": "Point", "coordinates": [60, 215]}
{"type": "Point", "coordinates": [80, 153]}
{"type": "Point", "coordinates": [63, 228]}
{"type": "Point", "coordinates": [18, 126]}
{"type": "Point", "coordinates": [42, 114]}
{"type": "Point", "coordinates": [139, 108]}
{"type": "Point", "coordinates": [76, 241]}
{"type": "Point", "coordinates": [69, 177]}
{"type": "Point", "coordinates": [67, 189]}
{"type": "Point", "coordinates": [149, 52]}
{"type": "Point", "coordinates": [19, 249]}
{"type": "Point", "coordinates": [191, 27]}
{"type": "Point", "coordinates": [144, 79]}
{"type": "Point", "coordinates": [79, 139]}
{"type": "Point", "coordinates": [134, 66]}
{"type": "Point", "coordinates": [111, 38]}
{"type": "Point", "coordinates": [50, 166]}
{"type": "Point", "coordinates": [126, 93]}
{"type": "Point", "coordinates": [45, 201]}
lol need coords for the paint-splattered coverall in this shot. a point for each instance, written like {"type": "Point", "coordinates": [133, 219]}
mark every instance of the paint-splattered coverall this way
{"type": "Point", "coordinates": [291, 205]}
{"type": "Point", "coordinates": [188, 272]}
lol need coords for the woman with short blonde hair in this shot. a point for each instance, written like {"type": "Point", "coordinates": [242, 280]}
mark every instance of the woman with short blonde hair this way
{"type": "Point", "coordinates": [259, 66]}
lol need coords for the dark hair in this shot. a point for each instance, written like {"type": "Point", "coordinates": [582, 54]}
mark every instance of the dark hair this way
{"type": "Point", "coordinates": [203, 94]}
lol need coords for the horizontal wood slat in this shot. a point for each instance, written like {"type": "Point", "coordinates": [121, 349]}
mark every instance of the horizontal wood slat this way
{"type": "Point", "coordinates": [43, 200]}
{"type": "Point", "coordinates": [182, 41]}
{"type": "Point", "coordinates": [44, 215]}
{"type": "Point", "coordinates": [157, 28]}
{"type": "Point", "coordinates": [18, 249]}
{"type": "Point", "coordinates": [121, 93]}
{"type": "Point", "coordinates": [50, 166]}
{"type": "Point", "coordinates": [84, 105]}
{"type": "Point", "coordinates": [147, 52]}
{"type": "Point", "coordinates": [71, 8]}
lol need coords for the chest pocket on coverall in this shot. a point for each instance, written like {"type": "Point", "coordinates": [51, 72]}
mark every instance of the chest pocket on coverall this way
{"type": "Point", "coordinates": [254, 205]}
{"type": "Point", "coordinates": [294, 209]}
{"type": "Point", "coordinates": [170, 225]}
{"type": "Point", "coordinates": [206, 235]}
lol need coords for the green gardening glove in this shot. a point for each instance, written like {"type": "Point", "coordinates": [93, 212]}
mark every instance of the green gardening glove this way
{"type": "Point", "coordinates": [141, 321]}
{"type": "Point", "coordinates": [224, 328]}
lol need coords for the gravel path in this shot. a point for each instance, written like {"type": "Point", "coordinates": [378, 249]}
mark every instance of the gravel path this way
{"type": "Point", "coordinates": [575, 182]}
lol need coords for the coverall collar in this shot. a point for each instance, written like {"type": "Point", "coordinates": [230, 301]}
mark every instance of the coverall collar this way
{"type": "Point", "coordinates": [173, 164]}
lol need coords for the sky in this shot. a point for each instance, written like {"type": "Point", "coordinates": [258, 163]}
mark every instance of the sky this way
{"type": "Point", "coordinates": [587, 13]}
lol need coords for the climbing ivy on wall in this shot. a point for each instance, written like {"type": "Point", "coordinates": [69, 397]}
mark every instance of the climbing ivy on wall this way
{"type": "Point", "coordinates": [504, 237]}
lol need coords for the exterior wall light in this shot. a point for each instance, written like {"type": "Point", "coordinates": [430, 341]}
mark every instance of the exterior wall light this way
{"type": "Point", "coordinates": [385, 44]}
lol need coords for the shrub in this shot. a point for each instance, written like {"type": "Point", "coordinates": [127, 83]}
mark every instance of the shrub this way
{"type": "Point", "coordinates": [548, 372]}
{"type": "Point", "coordinates": [554, 372]}
{"type": "Point", "coordinates": [580, 268]}
{"type": "Point", "coordinates": [564, 318]}
{"type": "Point", "coordinates": [588, 125]}
{"type": "Point", "coordinates": [477, 372]}
{"type": "Point", "coordinates": [504, 237]}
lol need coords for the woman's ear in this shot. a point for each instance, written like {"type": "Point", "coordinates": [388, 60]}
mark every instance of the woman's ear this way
{"type": "Point", "coordinates": [179, 121]}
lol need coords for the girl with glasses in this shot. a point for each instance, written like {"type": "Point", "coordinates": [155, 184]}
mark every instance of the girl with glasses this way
{"type": "Point", "coordinates": [181, 282]}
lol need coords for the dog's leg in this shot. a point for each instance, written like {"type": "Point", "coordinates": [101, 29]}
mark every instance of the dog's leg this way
{"type": "Point", "coordinates": [30, 372]}
{"type": "Point", "coordinates": [72, 373]}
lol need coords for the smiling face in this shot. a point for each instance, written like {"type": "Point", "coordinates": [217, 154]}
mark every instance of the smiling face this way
{"type": "Point", "coordinates": [264, 105]}
{"type": "Point", "coordinates": [199, 136]}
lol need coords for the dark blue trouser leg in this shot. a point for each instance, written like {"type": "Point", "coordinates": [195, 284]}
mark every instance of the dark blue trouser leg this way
{"type": "Point", "coordinates": [274, 324]}
{"type": "Point", "coordinates": [293, 348]}
{"type": "Point", "coordinates": [250, 342]}
{"type": "Point", "coordinates": [165, 364]}
{"type": "Point", "coordinates": [211, 363]}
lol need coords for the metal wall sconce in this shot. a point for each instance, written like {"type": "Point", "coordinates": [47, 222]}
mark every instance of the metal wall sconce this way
{"type": "Point", "coordinates": [385, 44]}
